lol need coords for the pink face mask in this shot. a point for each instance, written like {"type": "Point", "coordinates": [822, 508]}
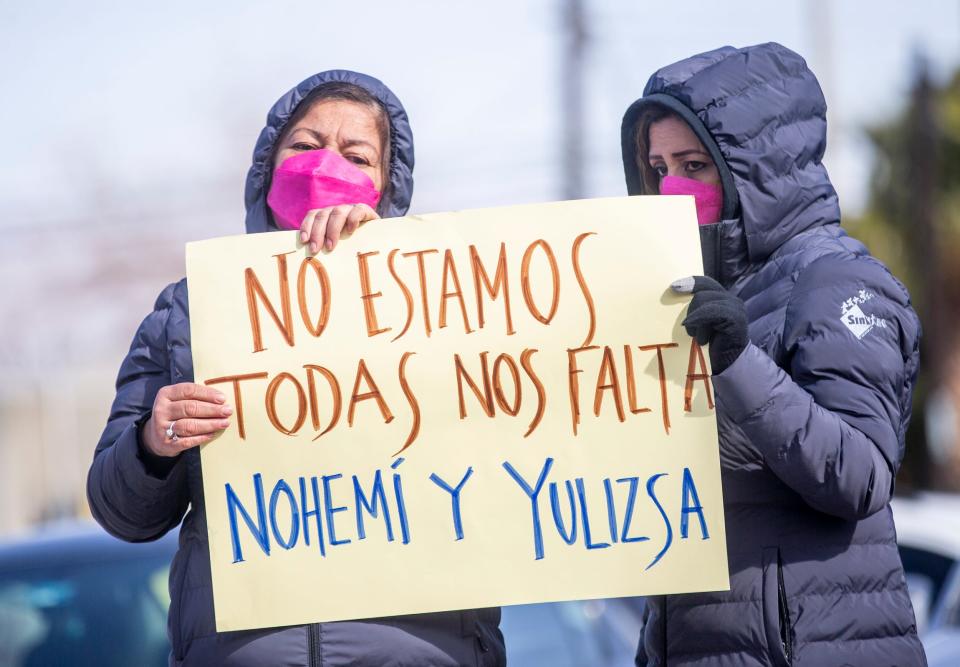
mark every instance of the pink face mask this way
{"type": "Point", "coordinates": [709, 198]}
{"type": "Point", "coordinates": [316, 179]}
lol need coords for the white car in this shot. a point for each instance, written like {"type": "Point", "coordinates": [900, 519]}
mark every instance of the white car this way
{"type": "Point", "coordinates": [928, 533]}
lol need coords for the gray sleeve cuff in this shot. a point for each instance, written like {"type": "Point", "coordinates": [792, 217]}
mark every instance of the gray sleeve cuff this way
{"type": "Point", "coordinates": [748, 383]}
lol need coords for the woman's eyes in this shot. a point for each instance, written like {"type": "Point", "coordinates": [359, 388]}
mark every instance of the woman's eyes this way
{"type": "Point", "coordinates": [358, 160]}
{"type": "Point", "coordinates": [689, 167]}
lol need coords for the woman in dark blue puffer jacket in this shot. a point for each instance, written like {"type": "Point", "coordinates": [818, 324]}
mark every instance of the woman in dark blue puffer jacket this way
{"type": "Point", "coordinates": [814, 349]}
{"type": "Point", "coordinates": [146, 477]}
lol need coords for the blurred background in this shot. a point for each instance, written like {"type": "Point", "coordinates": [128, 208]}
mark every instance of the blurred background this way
{"type": "Point", "coordinates": [128, 127]}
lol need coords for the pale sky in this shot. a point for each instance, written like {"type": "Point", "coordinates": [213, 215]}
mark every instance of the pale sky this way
{"type": "Point", "coordinates": [119, 101]}
{"type": "Point", "coordinates": [140, 118]}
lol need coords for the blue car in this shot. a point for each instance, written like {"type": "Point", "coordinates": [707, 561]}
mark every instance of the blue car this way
{"type": "Point", "coordinates": [928, 533]}
{"type": "Point", "coordinates": [598, 633]}
{"type": "Point", "coordinates": [76, 596]}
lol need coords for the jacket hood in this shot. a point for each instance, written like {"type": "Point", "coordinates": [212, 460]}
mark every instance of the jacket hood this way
{"type": "Point", "coordinates": [396, 199]}
{"type": "Point", "coordinates": [761, 115]}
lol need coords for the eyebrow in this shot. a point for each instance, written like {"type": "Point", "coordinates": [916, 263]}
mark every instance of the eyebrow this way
{"type": "Point", "coordinates": [360, 142]}
{"type": "Point", "coordinates": [690, 151]}
{"type": "Point", "coordinates": [349, 143]}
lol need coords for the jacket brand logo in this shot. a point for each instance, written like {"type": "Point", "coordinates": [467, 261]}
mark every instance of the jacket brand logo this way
{"type": "Point", "coordinates": [858, 322]}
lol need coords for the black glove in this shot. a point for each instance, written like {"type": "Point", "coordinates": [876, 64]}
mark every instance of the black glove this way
{"type": "Point", "coordinates": [717, 317]}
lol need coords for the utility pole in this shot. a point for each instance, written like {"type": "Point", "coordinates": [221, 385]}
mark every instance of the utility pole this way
{"type": "Point", "coordinates": [819, 19]}
{"type": "Point", "coordinates": [924, 159]}
{"type": "Point", "coordinates": [572, 98]}
{"type": "Point", "coordinates": [923, 156]}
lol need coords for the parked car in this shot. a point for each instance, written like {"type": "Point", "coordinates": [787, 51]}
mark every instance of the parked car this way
{"type": "Point", "coordinates": [73, 595]}
{"type": "Point", "coordinates": [928, 533]}
{"type": "Point", "coordinates": [598, 633]}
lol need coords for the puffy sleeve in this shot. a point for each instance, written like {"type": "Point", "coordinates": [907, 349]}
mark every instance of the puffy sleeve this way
{"type": "Point", "coordinates": [129, 495]}
{"type": "Point", "coordinates": [830, 423]}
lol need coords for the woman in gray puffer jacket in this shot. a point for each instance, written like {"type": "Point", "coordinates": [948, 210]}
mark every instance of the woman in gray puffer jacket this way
{"type": "Point", "coordinates": [814, 349]}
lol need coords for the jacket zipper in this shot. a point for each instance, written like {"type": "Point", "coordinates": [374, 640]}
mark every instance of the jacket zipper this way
{"type": "Point", "coordinates": [718, 253]}
{"type": "Point", "coordinates": [784, 618]}
{"type": "Point", "coordinates": [313, 645]}
{"type": "Point", "coordinates": [481, 648]}
{"type": "Point", "coordinates": [663, 629]}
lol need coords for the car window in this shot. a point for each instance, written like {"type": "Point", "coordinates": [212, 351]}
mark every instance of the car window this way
{"type": "Point", "coordinates": [928, 566]}
{"type": "Point", "coordinates": [951, 602]}
{"type": "Point", "coordinates": [570, 634]}
{"type": "Point", "coordinates": [105, 614]}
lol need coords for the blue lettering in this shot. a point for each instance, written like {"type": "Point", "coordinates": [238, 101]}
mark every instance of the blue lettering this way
{"type": "Point", "coordinates": [691, 505]}
{"type": "Point", "coordinates": [586, 519]}
{"type": "Point", "coordinates": [532, 494]}
{"type": "Point", "coordinates": [631, 502]}
{"type": "Point", "coordinates": [454, 498]}
{"type": "Point", "coordinates": [401, 506]}
{"type": "Point", "coordinates": [570, 537]}
{"type": "Point", "coordinates": [284, 488]}
{"type": "Point", "coordinates": [611, 509]}
{"type": "Point", "coordinates": [330, 510]}
{"type": "Point", "coordinates": [666, 520]}
{"type": "Point", "coordinates": [377, 496]}
{"type": "Point", "coordinates": [315, 512]}
{"type": "Point", "coordinates": [259, 531]}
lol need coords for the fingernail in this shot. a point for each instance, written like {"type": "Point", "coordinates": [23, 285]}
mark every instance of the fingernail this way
{"type": "Point", "coordinates": [683, 286]}
{"type": "Point", "coordinates": [313, 247]}
{"type": "Point", "coordinates": [224, 423]}
{"type": "Point", "coordinates": [226, 410]}
{"type": "Point", "coordinates": [329, 245]}
{"type": "Point", "coordinates": [303, 237]}
{"type": "Point", "coordinates": [220, 397]}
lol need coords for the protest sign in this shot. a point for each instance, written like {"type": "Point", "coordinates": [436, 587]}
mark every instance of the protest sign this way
{"type": "Point", "coordinates": [457, 410]}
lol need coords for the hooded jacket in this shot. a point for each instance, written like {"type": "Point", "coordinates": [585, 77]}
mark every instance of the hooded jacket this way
{"type": "Point", "coordinates": [812, 415]}
{"type": "Point", "coordinates": [135, 502]}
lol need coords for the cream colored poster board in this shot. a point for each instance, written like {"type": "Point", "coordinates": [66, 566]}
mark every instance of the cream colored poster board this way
{"type": "Point", "coordinates": [457, 410]}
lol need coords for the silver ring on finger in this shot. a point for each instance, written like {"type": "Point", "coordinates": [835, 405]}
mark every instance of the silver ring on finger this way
{"type": "Point", "coordinates": [170, 433]}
